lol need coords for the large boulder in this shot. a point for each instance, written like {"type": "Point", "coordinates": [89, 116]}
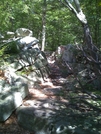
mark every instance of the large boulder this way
{"type": "Point", "coordinates": [11, 96]}
{"type": "Point", "coordinates": [23, 32]}
{"type": "Point", "coordinates": [8, 103]}
{"type": "Point", "coordinates": [27, 43]}
{"type": "Point", "coordinates": [43, 117]}
{"type": "Point", "coordinates": [66, 53]}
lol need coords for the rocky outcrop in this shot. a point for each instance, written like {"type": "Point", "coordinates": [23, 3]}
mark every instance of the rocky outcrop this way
{"type": "Point", "coordinates": [23, 70]}
{"type": "Point", "coordinates": [15, 87]}
{"type": "Point", "coordinates": [32, 59]}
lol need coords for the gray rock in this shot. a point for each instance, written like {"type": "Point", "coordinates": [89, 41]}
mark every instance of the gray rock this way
{"type": "Point", "coordinates": [32, 119]}
{"type": "Point", "coordinates": [52, 91]}
{"type": "Point", "coordinates": [23, 32]}
{"type": "Point", "coordinates": [27, 43]}
{"type": "Point", "coordinates": [4, 86]}
{"type": "Point", "coordinates": [24, 59]}
{"type": "Point", "coordinates": [42, 117]}
{"type": "Point", "coordinates": [11, 97]}
{"type": "Point", "coordinates": [21, 87]}
{"type": "Point", "coordinates": [37, 61]}
{"type": "Point", "coordinates": [10, 34]}
{"type": "Point", "coordinates": [8, 103]}
{"type": "Point", "coordinates": [27, 58]}
{"type": "Point", "coordinates": [41, 60]}
{"type": "Point", "coordinates": [69, 53]}
{"type": "Point", "coordinates": [17, 65]}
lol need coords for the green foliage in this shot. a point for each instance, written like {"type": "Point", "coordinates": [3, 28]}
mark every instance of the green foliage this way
{"type": "Point", "coordinates": [2, 51]}
{"type": "Point", "coordinates": [11, 48]}
{"type": "Point", "coordinates": [62, 27]}
{"type": "Point", "coordinates": [93, 13]}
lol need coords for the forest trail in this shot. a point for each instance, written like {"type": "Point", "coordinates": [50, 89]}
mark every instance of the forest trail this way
{"type": "Point", "coordinates": [53, 85]}
{"type": "Point", "coordinates": [59, 87]}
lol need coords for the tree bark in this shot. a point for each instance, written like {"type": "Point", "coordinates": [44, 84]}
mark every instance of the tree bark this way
{"type": "Point", "coordinates": [44, 25]}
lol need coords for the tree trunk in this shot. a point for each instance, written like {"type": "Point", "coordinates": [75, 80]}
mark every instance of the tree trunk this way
{"type": "Point", "coordinates": [44, 25]}
{"type": "Point", "coordinates": [93, 51]}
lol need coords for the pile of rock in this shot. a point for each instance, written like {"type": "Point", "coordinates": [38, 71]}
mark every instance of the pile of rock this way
{"type": "Point", "coordinates": [14, 88]}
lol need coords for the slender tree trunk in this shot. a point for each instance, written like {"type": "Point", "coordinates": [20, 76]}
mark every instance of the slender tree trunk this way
{"type": "Point", "coordinates": [44, 25]}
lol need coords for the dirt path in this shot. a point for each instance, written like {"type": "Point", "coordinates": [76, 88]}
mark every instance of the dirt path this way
{"type": "Point", "coordinates": [55, 81]}
{"type": "Point", "coordinates": [80, 114]}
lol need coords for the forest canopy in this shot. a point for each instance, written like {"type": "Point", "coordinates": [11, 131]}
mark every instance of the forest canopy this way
{"type": "Point", "coordinates": [62, 27]}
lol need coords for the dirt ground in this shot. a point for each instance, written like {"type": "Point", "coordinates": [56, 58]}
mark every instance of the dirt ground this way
{"type": "Point", "coordinates": [87, 118]}
{"type": "Point", "coordinates": [10, 126]}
